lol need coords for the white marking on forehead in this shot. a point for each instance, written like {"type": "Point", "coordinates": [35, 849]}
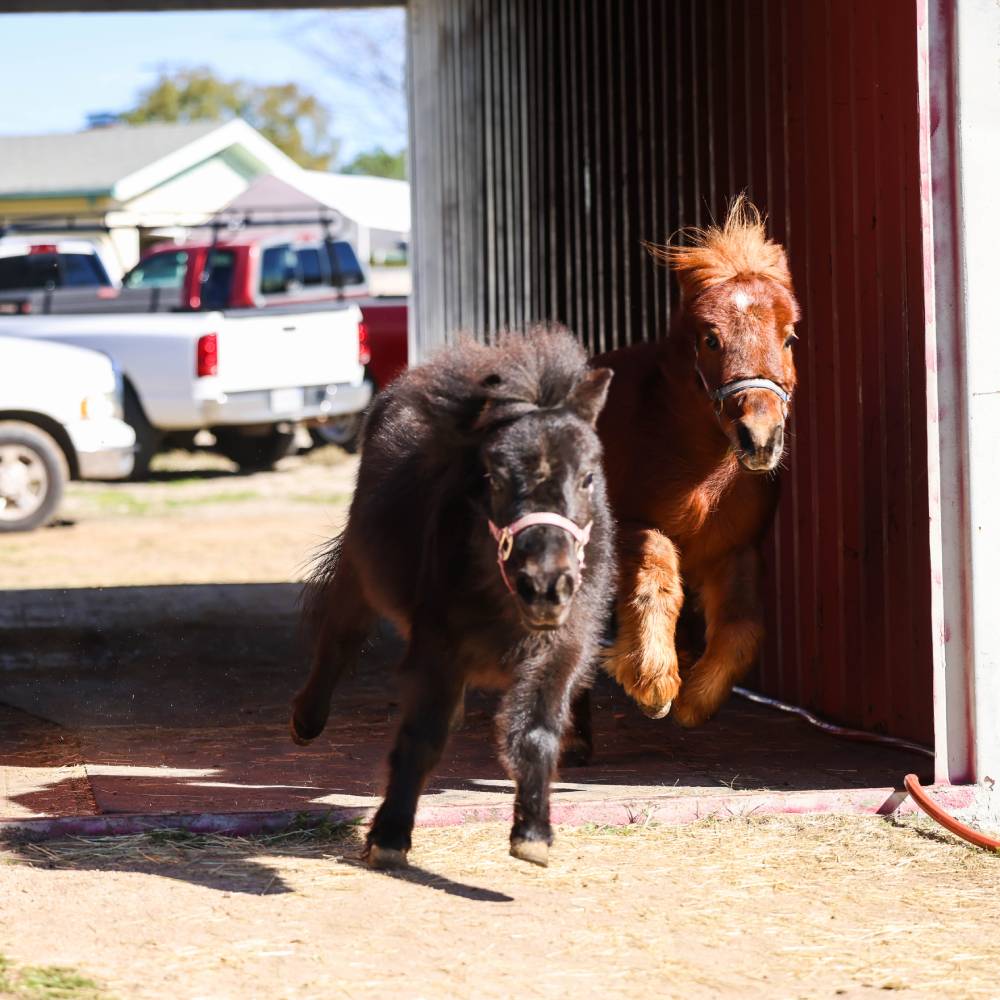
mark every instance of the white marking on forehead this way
{"type": "Point", "coordinates": [741, 300]}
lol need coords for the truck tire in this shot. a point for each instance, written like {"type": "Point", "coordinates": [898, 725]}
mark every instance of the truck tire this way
{"type": "Point", "coordinates": [147, 438]}
{"type": "Point", "coordinates": [344, 432]}
{"type": "Point", "coordinates": [254, 452]}
{"type": "Point", "coordinates": [32, 476]}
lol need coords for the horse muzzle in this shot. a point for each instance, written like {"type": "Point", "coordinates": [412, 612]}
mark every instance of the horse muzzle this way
{"type": "Point", "coordinates": [544, 575]}
{"type": "Point", "coordinates": [545, 593]}
{"type": "Point", "coordinates": [761, 444]}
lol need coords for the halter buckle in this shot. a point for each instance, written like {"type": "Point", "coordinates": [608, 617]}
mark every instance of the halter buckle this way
{"type": "Point", "coordinates": [505, 544]}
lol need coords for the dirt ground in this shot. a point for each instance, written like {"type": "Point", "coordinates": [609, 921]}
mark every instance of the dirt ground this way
{"type": "Point", "coordinates": [781, 907]}
{"type": "Point", "coordinates": [196, 521]}
{"type": "Point", "coordinates": [770, 907]}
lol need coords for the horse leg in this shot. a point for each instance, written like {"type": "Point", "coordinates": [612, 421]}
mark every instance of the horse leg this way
{"type": "Point", "coordinates": [533, 718]}
{"type": "Point", "coordinates": [734, 618]}
{"type": "Point", "coordinates": [342, 621]}
{"type": "Point", "coordinates": [578, 739]}
{"type": "Point", "coordinates": [430, 701]}
{"type": "Point", "coordinates": [643, 658]}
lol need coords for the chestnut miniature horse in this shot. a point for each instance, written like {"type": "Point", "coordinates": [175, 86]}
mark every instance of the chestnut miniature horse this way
{"type": "Point", "coordinates": [693, 432]}
{"type": "Point", "coordinates": [480, 499]}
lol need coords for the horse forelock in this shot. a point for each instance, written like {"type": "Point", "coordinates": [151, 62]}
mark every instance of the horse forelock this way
{"type": "Point", "coordinates": [488, 384]}
{"type": "Point", "coordinates": [739, 248]}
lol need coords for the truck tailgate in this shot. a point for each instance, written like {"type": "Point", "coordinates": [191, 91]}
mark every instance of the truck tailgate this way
{"type": "Point", "coordinates": [279, 348]}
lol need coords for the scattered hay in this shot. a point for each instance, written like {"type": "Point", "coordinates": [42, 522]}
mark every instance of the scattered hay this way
{"type": "Point", "coordinates": [770, 906]}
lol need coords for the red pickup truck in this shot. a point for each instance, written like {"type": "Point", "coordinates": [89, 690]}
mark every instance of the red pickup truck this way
{"type": "Point", "coordinates": [235, 274]}
{"type": "Point", "coordinates": [384, 333]}
{"type": "Point", "coordinates": [242, 273]}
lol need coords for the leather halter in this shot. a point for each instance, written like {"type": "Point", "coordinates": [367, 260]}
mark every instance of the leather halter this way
{"type": "Point", "coordinates": [505, 537]}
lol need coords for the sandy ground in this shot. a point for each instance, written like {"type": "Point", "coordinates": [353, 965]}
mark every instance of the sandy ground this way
{"type": "Point", "coordinates": [197, 521]}
{"type": "Point", "coordinates": [782, 907]}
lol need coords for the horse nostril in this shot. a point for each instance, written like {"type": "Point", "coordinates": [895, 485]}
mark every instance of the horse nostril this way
{"type": "Point", "coordinates": [526, 589]}
{"type": "Point", "coordinates": [778, 439]}
{"type": "Point", "coordinates": [561, 589]}
{"type": "Point", "coordinates": [747, 442]}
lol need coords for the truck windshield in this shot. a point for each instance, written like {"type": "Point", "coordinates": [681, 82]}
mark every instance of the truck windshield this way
{"type": "Point", "coordinates": [51, 270]}
{"type": "Point", "coordinates": [344, 263]}
{"type": "Point", "coordinates": [161, 270]}
{"type": "Point", "coordinates": [217, 281]}
{"type": "Point", "coordinates": [310, 266]}
{"type": "Point", "coordinates": [279, 267]}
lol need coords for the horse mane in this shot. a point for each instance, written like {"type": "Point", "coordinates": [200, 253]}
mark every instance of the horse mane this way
{"type": "Point", "coordinates": [470, 386]}
{"type": "Point", "coordinates": [739, 248]}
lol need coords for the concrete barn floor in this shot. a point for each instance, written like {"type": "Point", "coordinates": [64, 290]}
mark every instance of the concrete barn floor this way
{"type": "Point", "coordinates": [160, 694]}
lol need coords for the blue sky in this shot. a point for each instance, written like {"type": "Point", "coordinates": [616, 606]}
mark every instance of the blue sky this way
{"type": "Point", "coordinates": [58, 67]}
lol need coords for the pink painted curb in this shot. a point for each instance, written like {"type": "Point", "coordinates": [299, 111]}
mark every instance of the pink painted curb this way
{"type": "Point", "coordinates": [665, 810]}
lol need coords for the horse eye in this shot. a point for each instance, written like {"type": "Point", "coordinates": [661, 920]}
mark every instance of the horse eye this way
{"type": "Point", "coordinates": [711, 341]}
{"type": "Point", "coordinates": [588, 481]}
{"type": "Point", "coordinates": [790, 338]}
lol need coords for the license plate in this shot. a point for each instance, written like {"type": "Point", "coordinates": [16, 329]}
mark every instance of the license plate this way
{"type": "Point", "coordinates": [287, 400]}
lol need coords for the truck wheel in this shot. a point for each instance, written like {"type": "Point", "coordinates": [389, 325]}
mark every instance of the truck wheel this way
{"type": "Point", "coordinates": [147, 438]}
{"type": "Point", "coordinates": [254, 452]}
{"type": "Point", "coordinates": [32, 476]}
{"type": "Point", "coordinates": [344, 432]}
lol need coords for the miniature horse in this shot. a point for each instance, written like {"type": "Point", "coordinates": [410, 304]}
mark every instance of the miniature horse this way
{"type": "Point", "coordinates": [692, 432]}
{"type": "Point", "coordinates": [480, 528]}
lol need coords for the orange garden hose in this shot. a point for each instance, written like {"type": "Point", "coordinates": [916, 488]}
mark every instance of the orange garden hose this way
{"type": "Point", "coordinates": [911, 781]}
{"type": "Point", "coordinates": [929, 806]}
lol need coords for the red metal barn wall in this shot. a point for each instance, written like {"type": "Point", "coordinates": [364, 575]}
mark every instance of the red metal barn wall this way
{"type": "Point", "coordinates": [549, 139]}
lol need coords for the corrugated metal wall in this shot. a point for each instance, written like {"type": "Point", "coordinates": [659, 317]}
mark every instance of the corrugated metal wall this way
{"type": "Point", "coordinates": [549, 138]}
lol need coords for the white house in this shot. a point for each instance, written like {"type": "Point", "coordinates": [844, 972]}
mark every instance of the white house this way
{"type": "Point", "coordinates": [373, 213]}
{"type": "Point", "coordinates": [128, 185]}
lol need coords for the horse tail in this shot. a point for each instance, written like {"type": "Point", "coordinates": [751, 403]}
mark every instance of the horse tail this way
{"type": "Point", "coordinates": [322, 575]}
{"type": "Point", "coordinates": [337, 620]}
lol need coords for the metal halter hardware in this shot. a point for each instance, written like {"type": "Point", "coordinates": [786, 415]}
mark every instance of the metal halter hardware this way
{"type": "Point", "coordinates": [741, 384]}
{"type": "Point", "coordinates": [505, 537]}
{"type": "Point", "coordinates": [720, 395]}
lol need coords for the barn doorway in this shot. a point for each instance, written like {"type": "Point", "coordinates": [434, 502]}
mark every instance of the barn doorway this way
{"type": "Point", "coordinates": [547, 141]}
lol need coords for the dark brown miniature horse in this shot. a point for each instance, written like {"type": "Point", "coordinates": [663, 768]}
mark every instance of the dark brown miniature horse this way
{"type": "Point", "coordinates": [692, 432]}
{"type": "Point", "coordinates": [480, 528]}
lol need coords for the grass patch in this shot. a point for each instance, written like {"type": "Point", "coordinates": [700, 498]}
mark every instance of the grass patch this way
{"type": "Point", "coordinates": [47, 982]}
{"type": "Point", "coordinates": [117, 502]}
{"type": "Point", "coordinates": [234, 496]}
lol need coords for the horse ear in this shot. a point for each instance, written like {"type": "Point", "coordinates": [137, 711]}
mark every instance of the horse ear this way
{"type": "Point", "coordinates": [588, 397]}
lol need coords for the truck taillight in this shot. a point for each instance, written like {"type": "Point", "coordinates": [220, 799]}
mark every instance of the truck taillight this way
{"type": "Point", "coordinates": [45, 248]}
{"type": "Point", "coordinates": [208, 355]}
{"type": "Point", "coordinates": [364, 345]}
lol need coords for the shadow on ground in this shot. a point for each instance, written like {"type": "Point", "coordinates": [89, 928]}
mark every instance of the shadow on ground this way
{"type": "Point", "coordinates": [165, 701]}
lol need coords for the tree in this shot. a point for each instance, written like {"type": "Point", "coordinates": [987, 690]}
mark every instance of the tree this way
{"type": "Point", "coordinates": [294, 120]}
{"type": "Point", "coordinates": [363, 52]}
{"type": "Point", "coordinates": [378, 162]}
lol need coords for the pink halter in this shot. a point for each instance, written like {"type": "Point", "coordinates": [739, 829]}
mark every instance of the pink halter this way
{"type": "Point", "coordinates": [505, 537]}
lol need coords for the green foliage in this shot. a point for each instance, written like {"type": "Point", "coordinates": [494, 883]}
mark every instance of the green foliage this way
{"type": "Point", "coordinates": [46, 982]}
{"type": "Point", "coordinates": [297, 122]}
{"type": "Point", "coordinates": [379, 162]}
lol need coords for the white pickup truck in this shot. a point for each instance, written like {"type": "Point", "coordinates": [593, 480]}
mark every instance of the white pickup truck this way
{"type": "Point", "coordinates": [247, 375]}
{"type": "Point", "coordinates": [60, 416]}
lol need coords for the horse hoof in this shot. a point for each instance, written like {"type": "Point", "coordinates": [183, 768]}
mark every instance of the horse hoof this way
{"type": "Point", "coordinates": [534, 851]}
{"type": "Point", "coordinates": [297, 737]}
{"type": "Point", "coordinates": [654, 711]}
{"type": "Point", "coordinates": [385, 858]}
